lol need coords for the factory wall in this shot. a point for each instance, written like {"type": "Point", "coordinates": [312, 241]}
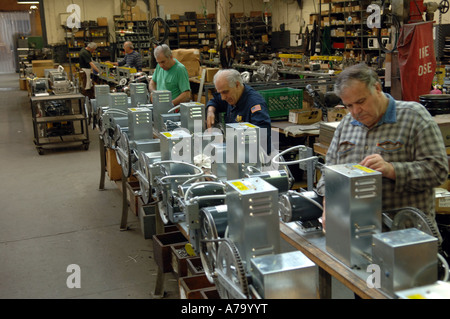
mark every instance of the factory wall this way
{"type": "Point", "coordinates": [284, 12]}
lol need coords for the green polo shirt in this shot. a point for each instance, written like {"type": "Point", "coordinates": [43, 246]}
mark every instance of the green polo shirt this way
{"type": "Point", "coordinates": [175, 80]}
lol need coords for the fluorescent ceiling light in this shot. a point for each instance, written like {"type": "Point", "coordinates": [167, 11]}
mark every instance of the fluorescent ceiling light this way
{"type": "Point", "coordinates": [27, 2]}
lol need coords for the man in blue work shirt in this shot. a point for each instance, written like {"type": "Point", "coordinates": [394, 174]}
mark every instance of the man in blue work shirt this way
{"type": "Point", "coordinates": [240, 102]}
{"type": "Point", "coordinates": [132, 58]}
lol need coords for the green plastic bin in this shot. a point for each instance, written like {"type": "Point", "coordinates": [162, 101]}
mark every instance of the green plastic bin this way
{"type": "Point", "coordinates": [280, 101]}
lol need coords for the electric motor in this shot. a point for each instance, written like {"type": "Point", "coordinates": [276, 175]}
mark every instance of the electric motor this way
{"type": "Point", "coordinates": [294, 206]}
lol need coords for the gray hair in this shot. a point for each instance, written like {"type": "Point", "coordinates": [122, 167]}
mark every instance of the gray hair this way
{"type": "Point", "coordinates": [163, 48]}
{"type": "Point", "coordinates": [129, 44]}
{"type": "Point", "coordinates": [360, 72]}
{"type": "Point", "coordinates": [233, 76]}
{"type": "Point", "coordinates": [92, 45]}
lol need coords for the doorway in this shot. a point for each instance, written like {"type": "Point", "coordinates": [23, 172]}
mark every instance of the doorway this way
{"type": "Point", "coordinates": [13, 25]}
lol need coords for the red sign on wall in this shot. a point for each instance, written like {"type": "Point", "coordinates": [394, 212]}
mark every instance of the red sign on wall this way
{"type": "Point", "coordinates": [416, 59]}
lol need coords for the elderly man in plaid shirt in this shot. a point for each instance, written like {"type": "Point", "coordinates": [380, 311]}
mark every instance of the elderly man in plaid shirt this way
{"type": "Point", "coordinates": [397, 138]}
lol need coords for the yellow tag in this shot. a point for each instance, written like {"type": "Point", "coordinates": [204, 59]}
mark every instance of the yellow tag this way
{"type": "Point", "coordinates": [133, 109]}
{"type": "Point", "coordinates": [189, 249]}
{"type": "Point", "coordinates": [249, 125]}
{"type": "Point", "coordinates": [167, 134]}
{"type": "Point", "coordinates": [240, 186]}
{"type": "Point", "coordinates": [416, 296]}
{"type": "Point", "coordinates": [365, 169]}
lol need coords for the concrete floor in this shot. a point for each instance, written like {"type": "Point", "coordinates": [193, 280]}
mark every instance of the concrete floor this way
{"type": "Point", "coordinates": [53, 215]}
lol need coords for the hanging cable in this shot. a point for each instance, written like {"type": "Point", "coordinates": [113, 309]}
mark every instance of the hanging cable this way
{"type": "Point", "coordinates": [227, 52]}
{"type": "Point", "coordinates": [396, 24]}
{"type": "Point", "coordinates": [156, 21]}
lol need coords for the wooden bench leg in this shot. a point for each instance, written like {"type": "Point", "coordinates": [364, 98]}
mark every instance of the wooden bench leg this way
{"type": "Point", "coordinates": [324, 284]}
{"type": "Point", "coordinates": [102, 163]}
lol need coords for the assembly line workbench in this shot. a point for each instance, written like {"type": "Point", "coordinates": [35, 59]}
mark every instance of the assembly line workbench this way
{"type": "Point", "coordinates": [67, 125]}
{"type": "Point", "coordinates": [313, 246]}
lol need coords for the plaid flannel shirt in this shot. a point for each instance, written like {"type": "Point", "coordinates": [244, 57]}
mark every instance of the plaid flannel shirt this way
{"type": "Point", "coordinates": [408, 138]}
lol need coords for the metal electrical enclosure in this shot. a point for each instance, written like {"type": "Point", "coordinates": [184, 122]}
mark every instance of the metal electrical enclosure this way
{"type": "Point", "coordinates": [289, 275]}
{"type": "Point", "coordinates": [193, 116]}
{"type": "Point", "coordinates": [176, 145]}
{"type": "Point", "coordinates": [101, 96]}
{"type": "Point", "coordinates": [253, 217]}
{"type": "Point", "coordinates": [140, 124]}
{"type": "Point", "coordinates": [242, 148]}
{"type": "Point", "coordinates": [407, 258]}
{"type": "Point", "coordinates": [138, 94]}
{"type": "Point", "coordinates": [162, 103]}
{"type": "Point", "coordinates": [353, 211]}
{"type": "Point", "coordinates": [118, 101]}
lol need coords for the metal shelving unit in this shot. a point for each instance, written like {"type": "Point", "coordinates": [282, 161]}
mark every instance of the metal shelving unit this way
{"type": "Point", "coordinates": [347, 21]}
{"type": "Point", "coordinates": [136, 31]}
{"type": "Point", "coordinates": [192, 33]}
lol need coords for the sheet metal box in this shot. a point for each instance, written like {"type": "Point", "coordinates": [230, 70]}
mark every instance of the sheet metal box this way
{"type": "Point", "coordinates": [176, 145]}
{"type": "Point", "coordinates": [353, 212]}
{"type": "Point", "coordinates": [253, 223]}
{"type": "Point", "coordinates": [407, 258]}
{"type": "Point", "coordinates": [193, 116]}
{"type": "Point", "coordinates": [118, 101]}
{"type": "Point", "coordinates": [242, 148]}
{"type": "Point", "coordinates": [162, 103]}
{"type": "Point", "coordinates": [204, 142]}
{"type": "Point", "coordinates": [218, 160]}
{"type": "Point", "coordinates": [140, 124]}
{"type": "Point", "coordinates": [138, 94]}
{"type": "Point", "coordinates": [439, 290]}
{"type": "Point", "coordinates": [146, 145]}
{"type": "Point", "coordinates": [289, 275]}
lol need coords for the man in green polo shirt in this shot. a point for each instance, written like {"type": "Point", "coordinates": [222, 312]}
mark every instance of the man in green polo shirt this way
{"type": "Point", "coordinates": [170, 75]}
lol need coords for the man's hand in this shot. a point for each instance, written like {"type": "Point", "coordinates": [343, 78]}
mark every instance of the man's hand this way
{"type": "Point", "coordinates": [210, 116]}
{"type": "Point", "coordinates": [377, 163]}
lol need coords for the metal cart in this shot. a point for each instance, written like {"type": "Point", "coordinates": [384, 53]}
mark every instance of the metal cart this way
{"type": "Point", "coordinates": [59, 119]}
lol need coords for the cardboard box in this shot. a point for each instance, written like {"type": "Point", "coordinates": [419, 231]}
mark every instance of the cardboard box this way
{"type": "Point", "coordinates": [336, 114]}
{"type": "Point", "coordinates": [256, 13]}
{"type": "Point", "coordinates": [23, 83]}
{"type": "Point", "coordinates": [190, 58]}
{"type": "Point", "coordinates": [313, 17]}
{"type": "Point", "coordinates": [210, 72]}
{"type": "Point", "coordinates": [299, 116]}
{"type": "Point", "coordinates": [442, 197]}
{"type": "Point", "coordinates": [113, 168]}
{"type": "Point", "coordinates": [79, 34]}
{"type": "Point", "coordinates": [102, 22]}
{"type": "Point", "coordinates": [443, 121]}
{"type": "Point", "coordinates": [133, 196]}
{"type": "Point", "coordinates": [39, 67]}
